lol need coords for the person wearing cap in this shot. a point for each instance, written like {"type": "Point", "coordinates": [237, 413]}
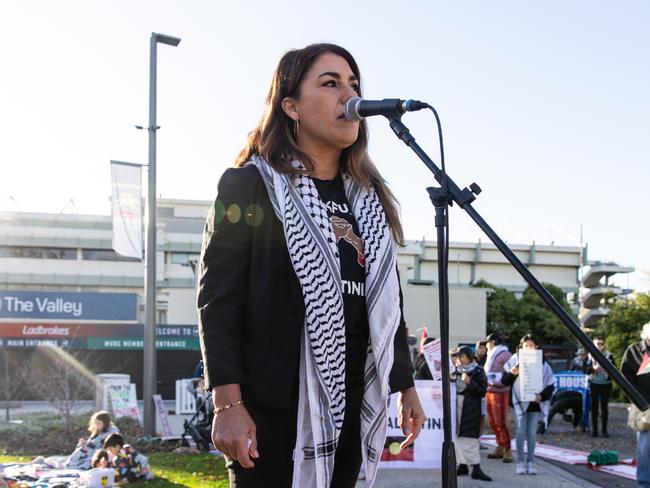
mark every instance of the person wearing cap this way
{"type": "Point", "coordinates": [471, 386]}
{"type": "Point", "coordinates": [635, 366]}
{"type": "Point", "coordinates": [580, 363]}
{"type": "Point", "coordinates": [498, 396]}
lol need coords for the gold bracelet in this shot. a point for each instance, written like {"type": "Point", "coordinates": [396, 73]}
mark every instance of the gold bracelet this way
{"type": "Point", "coordinates": [227, 406]}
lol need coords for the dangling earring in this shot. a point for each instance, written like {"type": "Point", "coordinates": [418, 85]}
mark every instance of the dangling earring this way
{"type": "Point", "coordinates": [296, 127]}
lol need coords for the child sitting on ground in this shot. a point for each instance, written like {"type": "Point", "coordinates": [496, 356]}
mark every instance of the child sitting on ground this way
{"type": "Point", "coordinates": [100, 459]}
{"type": "Point", "coordinates": [129, 464]}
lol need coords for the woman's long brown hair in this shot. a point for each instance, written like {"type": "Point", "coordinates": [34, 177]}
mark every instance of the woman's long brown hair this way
{"type": "Point", "coordinates": [273, 137]}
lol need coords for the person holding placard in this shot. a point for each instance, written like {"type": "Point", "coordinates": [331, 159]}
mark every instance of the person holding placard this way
{"type": "Point", "coordinates": [422, 370]}
{"type": "Point", "coordinates": [532, 387]}
{"type": "Point", "coordinates": [471, 386]}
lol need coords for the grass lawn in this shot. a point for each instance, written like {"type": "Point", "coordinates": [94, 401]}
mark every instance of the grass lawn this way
{"type": "Point", "coordinates": [173, 470]}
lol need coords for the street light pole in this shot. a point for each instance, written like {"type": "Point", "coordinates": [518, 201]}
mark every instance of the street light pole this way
{"type": "Point", "coordinates": [149, 365]}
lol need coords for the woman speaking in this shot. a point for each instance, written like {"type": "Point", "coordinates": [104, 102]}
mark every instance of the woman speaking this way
{"type": "Point", "coordinates": [301, 323]}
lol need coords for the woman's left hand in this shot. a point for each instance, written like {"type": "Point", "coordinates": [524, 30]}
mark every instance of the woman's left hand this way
{"type": "Point", "coordinates": [538, 398]}
{"type": "Point", "coordinates": [411, 415]}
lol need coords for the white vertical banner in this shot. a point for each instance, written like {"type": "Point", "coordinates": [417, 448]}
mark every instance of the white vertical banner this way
{"type": "Point", "coordinates": [126, 182]}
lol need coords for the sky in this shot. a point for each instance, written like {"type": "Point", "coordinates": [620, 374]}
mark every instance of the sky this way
{"type": "Point", "coordinates": [546, 105]}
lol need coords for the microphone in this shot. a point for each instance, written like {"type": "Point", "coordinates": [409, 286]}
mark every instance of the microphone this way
{"type": "Point", "coordinates": [356, 108]}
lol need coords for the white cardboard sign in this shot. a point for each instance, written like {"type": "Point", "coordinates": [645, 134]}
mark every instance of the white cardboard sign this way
{"type": "Point", "coordinates": [426, 451]}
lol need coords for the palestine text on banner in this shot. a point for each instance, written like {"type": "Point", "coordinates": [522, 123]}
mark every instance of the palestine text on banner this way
{"type": "Point", "coordinates": [426, 451]}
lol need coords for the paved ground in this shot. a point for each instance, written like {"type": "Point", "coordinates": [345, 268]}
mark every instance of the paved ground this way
{"type": "Point", "coordinates": [502, 475]}
{"type": "Point", "coordinates": [598, 478]}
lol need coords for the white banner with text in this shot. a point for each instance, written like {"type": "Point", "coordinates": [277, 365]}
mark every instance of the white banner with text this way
{"type": "Point", "coordinates": [426, 451]}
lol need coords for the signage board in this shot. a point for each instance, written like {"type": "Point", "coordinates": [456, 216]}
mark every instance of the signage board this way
{"type": "Point", "coordinates": [96, 336]}
{"type": "Point", "coordinates": [426, 450]}
{"type": "Point", "coordinates": [50, 305]}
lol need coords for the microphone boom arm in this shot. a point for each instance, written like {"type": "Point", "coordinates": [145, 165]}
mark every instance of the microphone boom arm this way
{"type": "Point", "coordinates": [464, 199]}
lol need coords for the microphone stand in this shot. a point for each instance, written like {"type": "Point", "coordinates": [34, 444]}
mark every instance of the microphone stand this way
{"type": "Point", "coordinates": [464, 199]}
{"type": "Point", "coordinates": [440, 201]}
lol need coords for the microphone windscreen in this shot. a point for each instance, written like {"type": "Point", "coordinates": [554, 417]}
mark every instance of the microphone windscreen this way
{"type": "Point", "coordinates": [351, 109]}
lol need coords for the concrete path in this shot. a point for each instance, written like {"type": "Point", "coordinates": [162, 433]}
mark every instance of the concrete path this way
{"type": "Point", "coordinates": [502, 475]}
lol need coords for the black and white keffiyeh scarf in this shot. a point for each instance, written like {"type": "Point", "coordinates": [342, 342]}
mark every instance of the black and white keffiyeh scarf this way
{"type": "Point", "coordinates": [314, 255]}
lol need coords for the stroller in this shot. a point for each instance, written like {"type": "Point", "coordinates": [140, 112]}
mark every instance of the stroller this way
{"type": "Point", "coordinates": [199, 427]}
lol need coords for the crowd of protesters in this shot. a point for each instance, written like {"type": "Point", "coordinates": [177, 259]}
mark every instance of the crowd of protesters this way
{"type": "Point", "coordinates": [487, 384]}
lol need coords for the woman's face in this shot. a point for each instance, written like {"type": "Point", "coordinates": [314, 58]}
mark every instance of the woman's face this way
{"type": "Point", "coordinates": [326, 87]}
{"type": "Point", "coordinates": [481, 350]}
{"type": "Point", "coordinates": [463, 360]}
{"type": "Point", "coordinates": [529, 345]}
{"type": "Point", "coordinates": [600, 344]}
{"type": "Point", "coordinates": [99, 425]}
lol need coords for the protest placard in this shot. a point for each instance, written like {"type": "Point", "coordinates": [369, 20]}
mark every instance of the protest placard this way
{"type": "Point", "coordinates": [531, 378]}
{"type": "Point", "coordinates": [426, 451]}
{"type": "Point", "coordinates": [123, 401]}
{"type": "Point", "coordinates": [162, 415]}
{"type": "Point", "coordinates": [432, 356]}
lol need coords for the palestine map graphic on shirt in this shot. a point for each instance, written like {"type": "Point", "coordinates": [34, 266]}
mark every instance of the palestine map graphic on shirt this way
{"type": "Point", "coordinates": [344, 225]}
{"type": "Point", "coordinates": [353, 275]}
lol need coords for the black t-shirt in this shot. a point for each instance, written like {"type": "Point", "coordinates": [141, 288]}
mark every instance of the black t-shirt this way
{"type": "Point", "coordinates": [353, 276]}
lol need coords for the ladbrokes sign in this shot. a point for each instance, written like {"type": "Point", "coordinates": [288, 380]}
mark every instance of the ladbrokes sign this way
{"type": "Point", "coordinates": [45, 330]}
{"type": "Point", "coordinates": [68, 305]}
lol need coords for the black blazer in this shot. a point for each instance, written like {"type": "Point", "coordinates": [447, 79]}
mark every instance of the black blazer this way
{"type": "Point", "coordinates": [251, 308]}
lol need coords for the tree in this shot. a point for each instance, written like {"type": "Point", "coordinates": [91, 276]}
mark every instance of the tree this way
{"type": "Point", "coordinates": [540, 320]}
{"type": "Point", "coordinates": [621, 327]}
{"type": "Point", "coordinates": [502, 312]}
{"type": "Point", "coordinates": [14, 374]}
{"type": "Point", "coordinates": [512, 318]}
{"type": "Point", "coordinates": [63, 377]}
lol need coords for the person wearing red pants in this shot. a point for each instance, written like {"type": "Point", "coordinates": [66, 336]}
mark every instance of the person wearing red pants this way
{"type": "Point", "coordinates": [497, 397]}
